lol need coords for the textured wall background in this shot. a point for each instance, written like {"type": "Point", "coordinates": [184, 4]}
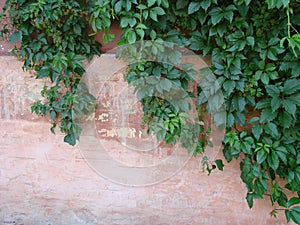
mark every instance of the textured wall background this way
{"type": "Point", "coordinates": [45, 181]}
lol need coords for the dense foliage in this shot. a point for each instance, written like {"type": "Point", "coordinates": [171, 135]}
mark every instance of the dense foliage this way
{"type": "Point", "coordinates": [254, 47]}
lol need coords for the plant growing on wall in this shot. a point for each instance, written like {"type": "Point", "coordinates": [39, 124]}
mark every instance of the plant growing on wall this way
{"type": "Point", "coordinates": [254, 47]}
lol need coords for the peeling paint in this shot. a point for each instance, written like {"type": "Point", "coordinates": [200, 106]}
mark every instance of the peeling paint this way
{"type": "Point", "coordinates": [104, 117]}
{"type": "Point", "coordinates": [123, 132]}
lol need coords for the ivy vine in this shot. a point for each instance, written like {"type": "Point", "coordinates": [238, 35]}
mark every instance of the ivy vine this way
{"type": "Point", "coordinates": [254, 47]}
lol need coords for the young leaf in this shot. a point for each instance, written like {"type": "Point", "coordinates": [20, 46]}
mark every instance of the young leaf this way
{"type": "Point", "coordinates": [261, 156]}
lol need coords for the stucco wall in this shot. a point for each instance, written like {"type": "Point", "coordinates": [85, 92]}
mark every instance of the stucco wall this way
{"type": "Point", "coordinates": [45, 181]}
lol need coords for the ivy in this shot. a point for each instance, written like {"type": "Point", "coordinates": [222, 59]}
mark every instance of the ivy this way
{"type": "Point", "coordinates": [254, 47]}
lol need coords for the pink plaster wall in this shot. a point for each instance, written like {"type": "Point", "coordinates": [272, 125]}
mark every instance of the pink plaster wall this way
{"type": "Point", "coordinates": [45, 181]}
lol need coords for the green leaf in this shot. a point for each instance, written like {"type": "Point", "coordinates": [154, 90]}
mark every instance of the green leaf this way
{"type": "Point", "coordinates": [141, 93]}
{"type": "Point", "coordinates": [141, 33]}
{"type": "Point", "coordinates": [289, 106]}
{"type": "Point", "coordinates": [295, 214]}
{"type": "Point", "coordinates": [70, 139]}
{"type": "Point", "coordinates": [77, 28]}
{"type": "Point", "coordinates": [267, 115]}
{"type": "Point", "coordinates": [287, 215]}
{"type": "Point", "coordinates": [246, 146]}
{"type": "Point", "coordinates": [295, 99]}
{"type": "Point", "coordinates": [239, 103]}
{"type": "Point", "coordinates": [230, 120]}
{"type": "Point", "coordinates": [240, 118]}
{"type": "Point", "coordinates": [205, 4]}
{"type": "Point", "coordinates": [253, 120]}
{"type": "Point", "coordinates": [273, 160]}
{"type": "Point", "coordinates": [194, 7]}
{"type": "Point", "coordinates": [260, 186]}
{"type": "Point", "coordinates": [153, 16]}
{"type": "Point", "coordinates": [293, 201]}
{"type": "Point", "coordinates": [229, 86]}
{"type": "Point", "coordinates": [272, 54]}
{"type": "Point", "coordinates": [158, 11]}
{"type": "Point", "coordinates": [181, 4]}
{"type": "Point", "coordinates": [118, 6]}
{"type": "Point", "coordinates": [271, 129]}
{"type": "Point", "coordinates": [15, 36]}
{"type": "Point", "coordinates": [43, 72]}
{"type": "Point", "coordinates": [151, 2]}
{"type": "Point", "coordinates": [272, 90]}
{"type": "Point", "coordinates": [152, 80]}
{"type": "Point", "coordinates": [174, 57]}
{"type": "Point", "coordinates": [216, 15]}
{"type": "Point", "coordinates": [282, 153]}
{"type": "Point", "coordinates": [285, 2]}
{"type": "Point", "coordinates": [264, 103]}
{"type": "Point", "coordinates": [220, 164]}
{"type": "Point", "coordinates": [261, 156]}
{"type": "Point", "coordinates": [53, 115]}
{"type": "Point", "coordinates": [265, 78]}
{"type": "Point", "coordinates": [250, 40]}
{"type": "Point", "coordinates": [183, 104]}
{"type": "Point", "coordinates": [165, 3]}
{"type": "Point", "coordinates": [228, 15]}
{"type": "Point", "coordinates": [285, 119]}
{"type": "Point", "coordinates": [219, 119]}
{"type": "Point", "coordinates": [249, 199]}
{"type": "Point", "coordinates": [124, 22]}
{"type": "Point", "coordinates": [131, 37]}
{"type": "Point", "coordinates": [173, 74]}
{"type": "Point", "coordinates": [291, 86]}
{"type": "Point", "coordinates": [165, 84]}
{"type": "Point", "coordinates": [257, 131]}
{"type": "Point", "coordinates": [152, 34]}
{"type": "Point", "coordinates": [275, 103]}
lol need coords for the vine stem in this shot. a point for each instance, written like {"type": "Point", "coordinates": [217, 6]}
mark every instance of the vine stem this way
{"type": "Point", "coordinates": [289, 21]}
{"type": "Point", "coordinates": [277, 209]}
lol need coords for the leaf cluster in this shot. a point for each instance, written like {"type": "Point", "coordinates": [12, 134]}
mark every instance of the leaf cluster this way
{"type": "Point", "coordinates": [54, 39]}
{"type": "Point", "coordinates": [254, 50]}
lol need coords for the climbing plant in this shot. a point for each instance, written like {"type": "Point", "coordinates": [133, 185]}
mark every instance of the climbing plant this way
{"type": "Point", "coordinates": [254, 47]}
{"type": "Point", "coordinates": [54, 39]}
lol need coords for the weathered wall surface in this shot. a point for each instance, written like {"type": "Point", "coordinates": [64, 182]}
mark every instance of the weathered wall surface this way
{"type": "Point", "coordinates": [45, 181]}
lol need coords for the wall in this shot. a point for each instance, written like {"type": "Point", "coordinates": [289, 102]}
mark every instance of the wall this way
{"type": "Point", "coordinates": [45, 181]}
